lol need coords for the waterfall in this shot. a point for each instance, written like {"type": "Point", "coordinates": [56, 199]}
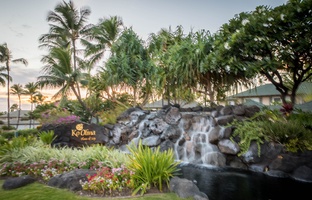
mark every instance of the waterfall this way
{"type": "Point", "coordinates": [193, 146]}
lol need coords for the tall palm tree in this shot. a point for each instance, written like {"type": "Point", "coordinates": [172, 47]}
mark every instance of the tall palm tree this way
{"type": "Point", "coordinates": [67, 26]}
{"type": "Point", "coordinates": [17, 89]}
{"type": "Point", "coordinates": [58, 73]}
{"type": "Point", "coordinates": [31, 89]}
{"type": "Point", "coordinates": [6, 57]}
{"type": "Point", "coordinates": [4, 76]}
{"type": "Point", "coordinates": [102, 36]}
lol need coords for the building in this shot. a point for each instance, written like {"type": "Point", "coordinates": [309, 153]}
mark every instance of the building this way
{"type": "Point", "coordinates": [23, 123]}
{"type": "Point", "coordinates": [268, 95]}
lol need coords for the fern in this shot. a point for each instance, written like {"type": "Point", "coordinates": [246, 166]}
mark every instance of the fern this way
{"type": "Point", "coordinates": [247, 132]}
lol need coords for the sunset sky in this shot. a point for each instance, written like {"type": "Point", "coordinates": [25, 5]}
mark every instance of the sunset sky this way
{"type": "Point", "coordinates": [23, 22]}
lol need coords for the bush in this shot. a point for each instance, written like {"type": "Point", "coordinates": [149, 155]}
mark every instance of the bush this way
{"type": "Point", "coordinates": [58, 116]}
{"type": "Point", "coordinates": [47, 137]}
{"type": "Point", "coordinates": [292, 130]}
{"type": "Point", "coordinates": [27, 132]}
{"type": "Point", "coordinates": [7, 128]}
{"type": "Point", "coordinates": [150, 167]}
{"type": "Point", "coordinates": [248, 131]}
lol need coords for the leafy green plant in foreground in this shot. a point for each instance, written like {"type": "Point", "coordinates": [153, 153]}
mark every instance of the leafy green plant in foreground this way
{"type": "Point", "coordinates": [151, 167]}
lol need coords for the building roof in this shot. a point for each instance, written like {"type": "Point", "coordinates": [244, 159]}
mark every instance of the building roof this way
{"type": "Point", "coordinates": [270, 90]}
{"type": "Point", "coordinates": [306, 107]}
{"type": "Point", "coordinates": [23, 113]}
{"type": "Point", "coordinates": [161, 103]}
{"type": "Point", "coordinates": [250, 102]}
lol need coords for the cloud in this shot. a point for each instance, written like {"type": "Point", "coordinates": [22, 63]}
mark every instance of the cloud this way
{"type": "Point", "coordinates": [17, 33]}
{"type": "Point", "coordinates": [26, 26]}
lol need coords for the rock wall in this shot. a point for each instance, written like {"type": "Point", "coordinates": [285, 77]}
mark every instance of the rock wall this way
{"type": "Point", "coordinates": [201, 136]}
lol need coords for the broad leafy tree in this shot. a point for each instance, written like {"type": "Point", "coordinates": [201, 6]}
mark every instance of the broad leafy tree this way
{"type": "Point", "coordinates": [6, 58]}
{"type": "Point", "coordinates": [273, 42]}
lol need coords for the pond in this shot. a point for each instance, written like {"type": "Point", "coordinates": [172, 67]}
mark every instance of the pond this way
{"type": "Point", "coordinates": [235, 184]}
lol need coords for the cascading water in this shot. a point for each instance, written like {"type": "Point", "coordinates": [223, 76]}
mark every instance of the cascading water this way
{"type": "Point", "coordinates": [193, 146]}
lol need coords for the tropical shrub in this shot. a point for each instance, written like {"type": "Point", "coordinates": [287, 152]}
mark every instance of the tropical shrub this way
{"type": "Point", "coordinates": [7, 128]}
{"type": "Point", "coordinates": [151, 167]}
{"type": "Point", "coordinates": [293, 130]}
{"type": "Point", "coordinates": [47, 137]}
{"type": "Point", "coordinates": [248, 131]}
{"type": "Point", "coordinates": [58, 116]}
{"type": "Point", "coordinates": [16, 143]}
{"type": "Point", "coordinates": [28, 132]}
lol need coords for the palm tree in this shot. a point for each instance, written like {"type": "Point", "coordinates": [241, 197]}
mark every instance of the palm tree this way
{"type": "Point", "coordinates": [103, 36]}
{"type": "Point", "coordinates": [31, 89]}
{"type": "Point", "coordinates": [17, 89]}
{"type": "Point", "coordinates": [67, 26]}
{"type": "Point", "coordinates": [6, 57]}
{"type": "Point", "coordinates": [58, 73]}
{"type": "Point", "coordinates": [4, 76]}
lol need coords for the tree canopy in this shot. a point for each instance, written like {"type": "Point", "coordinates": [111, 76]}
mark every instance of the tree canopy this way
{"type": "Point", "coordinates": [272, 42]}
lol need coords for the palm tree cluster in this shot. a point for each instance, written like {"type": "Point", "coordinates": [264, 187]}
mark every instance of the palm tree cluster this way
{"type": "Point", "coordinates": [169, 64]}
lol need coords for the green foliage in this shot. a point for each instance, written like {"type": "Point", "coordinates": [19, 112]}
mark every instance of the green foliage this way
{"type": "Point", "coordinates": [8, 134]}
{"type": "Point", "coordinates": [16, 143]}
{"type": "Point", "coordinates": [291, 133]}
{"type": "Point", "coordinates": [305, 118]}
{"type": "Point", "coordinates": [28, 132]}
{"type": "Point", "coordinates": [58, 116]}
{"type": "Point", "coordinates": [40, 109]}
{"type": "Point", "coordinates": [24, 133]}
{"type": "Point", "coordinates": [292, 130]}
{"type": "Point", "coordinates": [247, 132]}
{"type": "Point", "coordinates": [47, 137]}
{"type": "Point", "coordinates": [110, 116]}
{"type": "Point", "coordinates": [7, 128]}
{"type": "Point", "coordinates": [150, 167]}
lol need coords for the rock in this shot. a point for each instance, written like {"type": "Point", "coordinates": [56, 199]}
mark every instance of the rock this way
{"type": "Point", "coordinates": [185, 188]}
{"type": "Point", "coordinates": [16, 182]}
{"type": "Point", "coordinates": [70, 180]}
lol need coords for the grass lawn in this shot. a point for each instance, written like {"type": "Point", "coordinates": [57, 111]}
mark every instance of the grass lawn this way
{"type": "Point", "coordinates": [38, 191]}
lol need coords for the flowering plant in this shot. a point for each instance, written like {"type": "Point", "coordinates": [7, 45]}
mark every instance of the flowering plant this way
{"type": "Point", "coordinates": [109, 181]}
{"type": "Point", "coordinates": [287, 108]}
{"type": "Point", "coordinates": [43, 169]}
{"type": "Point", "coordinates": [58, 116]}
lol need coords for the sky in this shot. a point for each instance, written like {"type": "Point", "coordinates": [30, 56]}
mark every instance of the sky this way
{"type": "Point", "coordinates": [22, 22]}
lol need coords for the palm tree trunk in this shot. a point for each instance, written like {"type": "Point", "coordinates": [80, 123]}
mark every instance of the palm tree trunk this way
{"type": "Point", "coordinates": [19, 112]}
{"type": "Point", "coordinates": [8, 90]}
